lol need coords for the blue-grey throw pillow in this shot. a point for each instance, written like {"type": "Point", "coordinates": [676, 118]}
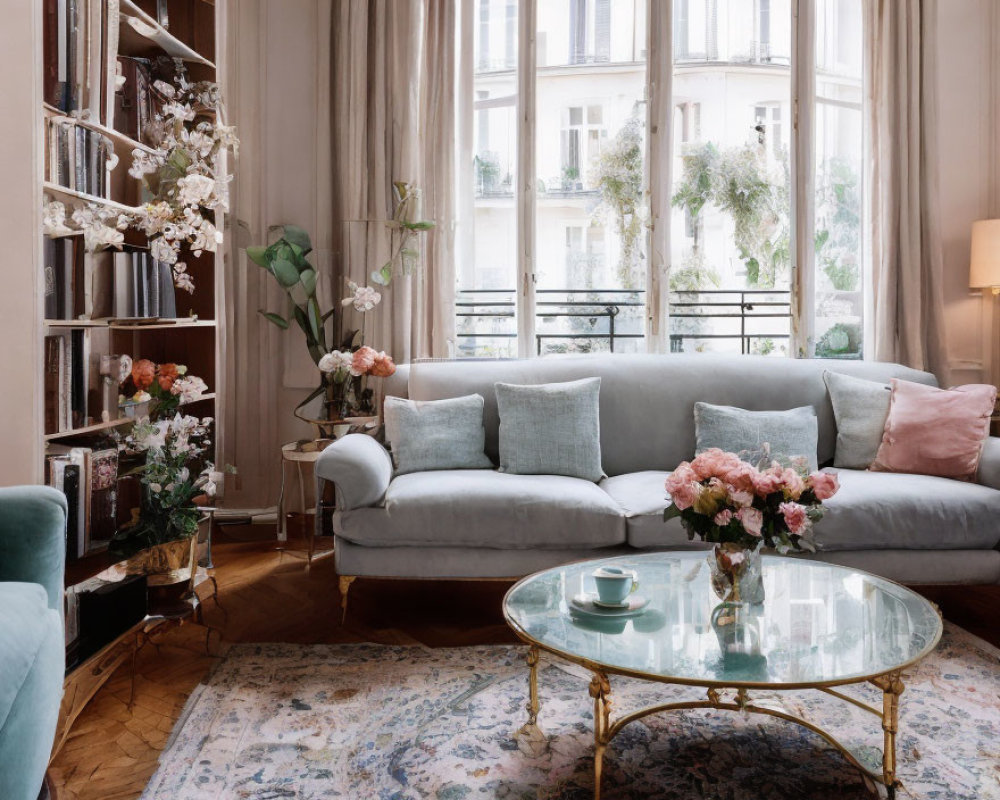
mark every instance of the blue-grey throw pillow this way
{"type": "Point", "coordinates": [436, 434]}
{"type": "Point", "coordinates": [793, 433]}
{"type": "Point", "coordinates": [551, 429]}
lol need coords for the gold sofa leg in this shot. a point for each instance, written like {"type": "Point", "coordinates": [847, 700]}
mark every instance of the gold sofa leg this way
{"type": "Point", "coordinates": [345, 587]}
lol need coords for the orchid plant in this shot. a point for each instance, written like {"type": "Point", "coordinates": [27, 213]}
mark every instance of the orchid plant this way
{"type": "Point", "coordinates": [182, 171]}
{"type": "Point", "coordinates": [173, 473]}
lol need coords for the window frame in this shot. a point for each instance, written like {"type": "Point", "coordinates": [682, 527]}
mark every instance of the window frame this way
{"type": "Point", "coordinates": [798, 126]}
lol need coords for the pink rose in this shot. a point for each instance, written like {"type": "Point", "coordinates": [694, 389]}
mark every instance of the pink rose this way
{"type": "Point", "coordinates": [793, 485]}
{"type": "Point", "coordinates": [723, 518]}
{"type": "Point", "coordinates": [752, 520]}
{"type": "Point", "coordinates": [684, 495]}
{"type": "Point", "coordinates": [714, 463]}
{"type": "Point", "coordinates": [795, 517]}
{"type": "Point", "coordinates": [824, 484]}
{"type": "Point", "coordinates": [766, 483]}
{"type": "Point", "coordinates": [363, 360]}
{"type": "Point", "coordinates": [741, 477]}
{"type": "Point", "coordinates": [741, 499]}
{"type": "Point", "coordinates": [683, 474]}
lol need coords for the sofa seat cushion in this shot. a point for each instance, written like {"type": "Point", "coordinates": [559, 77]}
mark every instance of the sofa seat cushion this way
{"type": "Point", "coordinates": [642, 498]}
{"type": "Point", "coordinates": [484, 508]}
{"type": "Point", "coordinates": [882, 510]}
{"type": "Point", "coordinates": [23, 627]}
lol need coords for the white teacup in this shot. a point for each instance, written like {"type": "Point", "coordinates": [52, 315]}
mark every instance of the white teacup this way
{"type": "Point", "coordinates": [614, 584]}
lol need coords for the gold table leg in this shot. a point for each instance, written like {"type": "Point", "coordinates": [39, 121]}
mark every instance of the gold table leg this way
{"type": "Point", "coordinates": [892, 687]}
{"type": "Point", "coordinates": [600, 690]}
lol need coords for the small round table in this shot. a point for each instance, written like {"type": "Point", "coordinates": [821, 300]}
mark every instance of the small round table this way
{"type": "Point", "coordinates": [871, 629]}
{"type": "Point", "coordinates": [296, 454]}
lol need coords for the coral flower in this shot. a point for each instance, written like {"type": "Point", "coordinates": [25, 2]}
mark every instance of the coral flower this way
{"type": "Point", "coordinates": [363, 360]}
{"type": "Point", "coordinates": [143, 373]}
{"type": "Point", "coordinates": [384, 366]}
{"type": "Point", "coordinates": [166, 375]}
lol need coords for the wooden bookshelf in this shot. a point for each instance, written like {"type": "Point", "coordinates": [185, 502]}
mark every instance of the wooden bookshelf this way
{"type": "Point", "coordinates": [110, 29]}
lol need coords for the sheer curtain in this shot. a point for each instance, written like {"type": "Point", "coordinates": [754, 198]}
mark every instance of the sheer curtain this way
{"type": "Point", "coordinates": [393, 119]}
{"type": "Point", "coordinates": [907, 263]}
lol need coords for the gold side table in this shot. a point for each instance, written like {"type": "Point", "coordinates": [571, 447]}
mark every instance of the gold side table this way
{"type": "Point", "coordinates": [294, 455]}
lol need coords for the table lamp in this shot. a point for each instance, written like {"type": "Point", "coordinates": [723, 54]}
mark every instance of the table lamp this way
{"type": "Point", "coordinates": [984, 265]}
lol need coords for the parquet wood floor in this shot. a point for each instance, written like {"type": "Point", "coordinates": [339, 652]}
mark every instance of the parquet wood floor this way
{"type": "Point", "coordinates": [268, 596]}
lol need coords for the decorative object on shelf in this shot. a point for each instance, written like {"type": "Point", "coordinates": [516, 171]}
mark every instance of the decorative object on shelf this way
{"type": "Point", "coordinates": [404, 227]}
{"type": "Point", "coordinates": [115, 370]}
{"type": "Point", "coordinates": [183, 173]}
{"type": "Point", "coordinates": [174, 472]}
{"type": "Point", "coordinates": [160, 387]}
{"type": "Point", "coordinates": [54, 219]}
{"type": "Point", "coordinates": [345, 370]}
{"type": "Point", "coordinates": [740, 507]}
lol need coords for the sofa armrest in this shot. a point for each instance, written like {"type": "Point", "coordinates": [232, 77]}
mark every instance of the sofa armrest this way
{"type": "Point", "coordinates": [360, 467]}
{"type": "Point", "coordinates": [989, 463]}
{"type": "Point", "coordinates": [33, 538]}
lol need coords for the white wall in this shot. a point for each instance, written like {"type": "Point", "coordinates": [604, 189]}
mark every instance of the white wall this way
{"type": "Point", "coordinates": [969, 141]}
{"type": "Point", "coordinates": [20, 220]}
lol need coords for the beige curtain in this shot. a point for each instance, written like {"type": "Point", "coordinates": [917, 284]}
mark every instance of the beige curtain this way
{"type": "Point", "coordinates": [393, 119]}
{"type": "Point", "coordinates": [906, 241]}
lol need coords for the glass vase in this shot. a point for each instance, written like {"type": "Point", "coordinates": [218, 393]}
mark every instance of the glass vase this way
{"type": "Point", "coordinates": [736, 573]}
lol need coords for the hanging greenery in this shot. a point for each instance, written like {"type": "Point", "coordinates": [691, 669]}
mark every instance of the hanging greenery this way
{"type": "Point", "coordinates": [619, 176]}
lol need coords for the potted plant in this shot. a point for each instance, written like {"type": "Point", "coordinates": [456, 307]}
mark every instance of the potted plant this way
{"type": "Point", "coordinates": [168, 452]}
{"type": "Point", "coordinates": [741, 508]}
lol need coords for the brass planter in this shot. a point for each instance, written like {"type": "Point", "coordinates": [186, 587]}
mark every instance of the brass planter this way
{"type": "Point", "coordinates": [164, 564]}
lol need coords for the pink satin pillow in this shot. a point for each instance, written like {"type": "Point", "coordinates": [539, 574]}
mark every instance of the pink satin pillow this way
{"type": "Point", "coordinates": [932, 431]}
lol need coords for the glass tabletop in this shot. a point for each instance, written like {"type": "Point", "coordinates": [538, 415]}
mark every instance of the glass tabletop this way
{"type": "Point", "coordinates": [819, 625]}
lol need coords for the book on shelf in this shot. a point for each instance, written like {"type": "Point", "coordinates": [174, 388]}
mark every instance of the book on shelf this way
{"type": "Point", "coordinates": [77, 157]}
{"type": "Point", "coordinates": [132, 100]}
{"type": "Point", "coordinates": [88, 476]}
{"type": "Point", "coordinates": [78, 37]}
{"type": "Point", "coordinates": [59, 258]}
{"type": "Point", "coordinates": [143, 287]}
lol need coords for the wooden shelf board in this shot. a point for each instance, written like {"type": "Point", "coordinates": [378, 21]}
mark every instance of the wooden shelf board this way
{"type": "Point", "coordinates": [136, 23]}
{"type": "Point", "coordinates": [56, 189]}
{"type": "Point", "coordinates": [163, 326]}
{"type": "Point", "coordinates": [181, 324]}
{"type": "Point", "coordinates": [116, 136]}
{"type": "Point", "coordinates": [114, 423]}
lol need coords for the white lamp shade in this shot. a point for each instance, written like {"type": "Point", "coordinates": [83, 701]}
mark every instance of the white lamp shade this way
{"type": "Point", "coordinates": [984, 266]}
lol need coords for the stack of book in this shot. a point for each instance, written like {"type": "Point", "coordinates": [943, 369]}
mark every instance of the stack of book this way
{"type": "Point", "coordinates": [59, 258]}
{"type": "Point", "coordinates": [88, 476]}
{"type": "Point", "coordinates": [67, 380]}
{"type": "Point", "coordinates": [77, 156]}
{"type": "Point", "coordinates": [80, 40]}
{"type": "Point", "coordinates": [142, 286]}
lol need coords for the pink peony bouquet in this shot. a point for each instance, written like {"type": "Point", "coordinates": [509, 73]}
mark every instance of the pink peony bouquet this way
{"type": "Point", "coordinates": [721, 498]}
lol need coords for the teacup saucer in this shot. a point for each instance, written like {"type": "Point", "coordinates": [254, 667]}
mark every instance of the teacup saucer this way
{"type": "Point", "coordinates": [589, 604]}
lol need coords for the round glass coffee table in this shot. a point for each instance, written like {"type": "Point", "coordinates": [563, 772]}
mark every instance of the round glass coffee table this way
{"type": "Point", "coordinates": [820, 627]}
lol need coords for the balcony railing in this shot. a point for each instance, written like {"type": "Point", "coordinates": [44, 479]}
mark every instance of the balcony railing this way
{"type": "Point", "coordinates": [703, 312]}
{"type": "Point", "coordinates": [610, 318]}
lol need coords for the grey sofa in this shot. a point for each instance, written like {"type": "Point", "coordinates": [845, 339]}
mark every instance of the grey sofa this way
{"type": "Point", "coordinates": [486, 524]}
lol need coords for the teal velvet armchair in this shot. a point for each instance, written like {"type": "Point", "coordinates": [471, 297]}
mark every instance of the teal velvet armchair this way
{"type": "Point", "coordinates": [32, 644]}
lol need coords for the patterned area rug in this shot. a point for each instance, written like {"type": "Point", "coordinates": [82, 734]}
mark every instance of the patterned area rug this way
{"type": "Point", "coordinates": [399, 723]}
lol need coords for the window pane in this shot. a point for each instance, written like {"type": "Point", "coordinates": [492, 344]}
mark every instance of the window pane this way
{"type": "Point", "coordinates": [839, 170]}
{"type": "Point", "coordinates": [590, 160]}
{"type": "Point", "coordinates": [486, 323]}
{"type": "Point", "coordinates": [731, 227]}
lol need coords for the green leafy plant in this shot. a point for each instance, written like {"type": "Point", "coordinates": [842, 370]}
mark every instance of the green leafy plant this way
{"type": "Point", "coordinates": [403, 230]}
{"type": "Point", "coordinates": [737, 182]}
{"type": "Point", "coordinates": [842, 340]}
{"type": "Point", "coordinates": [286, 262]}
{"type": "Point", "coordinates": [619, 179]}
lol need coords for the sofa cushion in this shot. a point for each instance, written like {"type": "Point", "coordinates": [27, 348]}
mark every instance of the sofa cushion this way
{"type": "Point", "coordinates": [883, 510]}
{"type": "Point", "coordinates": [647, 400]}
{"type": "Point", "coordinates": [753, 435]}
{"type": "Point", "coordinates": [642, 498]}
{"type": "Point", "coordinates": [483, 508]}
{"type": "Point", "coordinates": [21, 634]}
